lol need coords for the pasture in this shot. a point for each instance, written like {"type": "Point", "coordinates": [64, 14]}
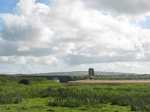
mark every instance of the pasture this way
{"type": "Point", "coordinates": [38, 94]}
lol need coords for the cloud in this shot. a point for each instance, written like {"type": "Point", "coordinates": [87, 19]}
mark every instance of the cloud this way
{"type": "Point", "coordinates": [49, 60]}
{"type": "Point", "coordinates": [134, 7]}
{"type": "Point", "coordinates": [69, 33]}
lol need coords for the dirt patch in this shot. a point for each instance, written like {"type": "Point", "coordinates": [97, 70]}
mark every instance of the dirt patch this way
{"type": "Point", "coordinates": [110, 82]}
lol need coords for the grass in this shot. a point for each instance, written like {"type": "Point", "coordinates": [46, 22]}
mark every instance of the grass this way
{"type": "Point", "coordinates": [43, 95]}
{"type": "Point", "coordinates": [40, 105]}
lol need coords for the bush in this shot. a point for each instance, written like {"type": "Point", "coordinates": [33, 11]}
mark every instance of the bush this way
{"type": "Point", "coordinates": [24, 81]}
{"type": "Point", "coordinates": [10, 98]}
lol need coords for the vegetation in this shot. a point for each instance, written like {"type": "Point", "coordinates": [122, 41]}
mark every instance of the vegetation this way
{"type": "Point", "coordinates": [24, 81]}
{"type": "Point", "coordinates": [38, 94]}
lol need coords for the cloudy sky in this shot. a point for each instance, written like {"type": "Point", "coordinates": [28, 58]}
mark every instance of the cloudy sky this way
{"type": "Point", "coordinates": [69, 35]}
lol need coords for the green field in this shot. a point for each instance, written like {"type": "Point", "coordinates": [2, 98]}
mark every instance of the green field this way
{"type": "Point", "coordinates": [37, 94]}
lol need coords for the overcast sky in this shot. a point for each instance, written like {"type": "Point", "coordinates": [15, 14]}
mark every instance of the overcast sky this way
{"type": "Point", "coordinates": [69, 35]}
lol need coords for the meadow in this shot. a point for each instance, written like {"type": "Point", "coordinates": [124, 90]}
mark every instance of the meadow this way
{"type": "Point", "coordinates": [38, 94]}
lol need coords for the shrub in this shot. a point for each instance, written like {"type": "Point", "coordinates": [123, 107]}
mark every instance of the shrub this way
{"type": "Point", "coordinates": [10, 98]}
{"type": "Point", "coordinates": [24, 81]}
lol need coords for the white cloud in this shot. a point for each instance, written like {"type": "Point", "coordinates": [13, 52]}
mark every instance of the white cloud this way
{"type": "Point", "coordinates": [48, 60]}
{"type": "Point", "coordinates": [70, 33]}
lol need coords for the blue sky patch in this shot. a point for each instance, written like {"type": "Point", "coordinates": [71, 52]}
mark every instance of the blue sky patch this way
{"type": "Point", "coordinates": [7, 6]}
{"type": "Point", "coordinates": [145, 23]}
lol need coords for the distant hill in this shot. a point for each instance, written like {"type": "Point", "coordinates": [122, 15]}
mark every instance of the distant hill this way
{"type": "Point", "coordinates": [82, 75]}
{"type": "Point", "coordinates": [74, 73]}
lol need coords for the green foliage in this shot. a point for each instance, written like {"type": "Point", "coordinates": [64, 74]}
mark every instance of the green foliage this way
{"type": "Point", "coordinates": [24, 81]}
{"type": "Point", "coordinates": [13, 92]}
{"type": "Point", "coordinates": [43, 95]}
{"type": "Point", "coordinates": [40, 105]}
{"type": "Point", "coordinates": [135, 96]}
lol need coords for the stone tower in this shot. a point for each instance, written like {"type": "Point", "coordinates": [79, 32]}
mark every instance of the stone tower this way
{"type": "Point", "coordinates": [91, 73]}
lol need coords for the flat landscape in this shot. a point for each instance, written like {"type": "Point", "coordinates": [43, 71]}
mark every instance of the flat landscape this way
{"type": "Point", "coordinates": [39, 94]}
{"type": "Point", "coordinates": [74, 55]}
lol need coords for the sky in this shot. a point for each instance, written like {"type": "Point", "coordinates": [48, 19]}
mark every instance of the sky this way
{"type": "Point", "coordinates": [72, 35]}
